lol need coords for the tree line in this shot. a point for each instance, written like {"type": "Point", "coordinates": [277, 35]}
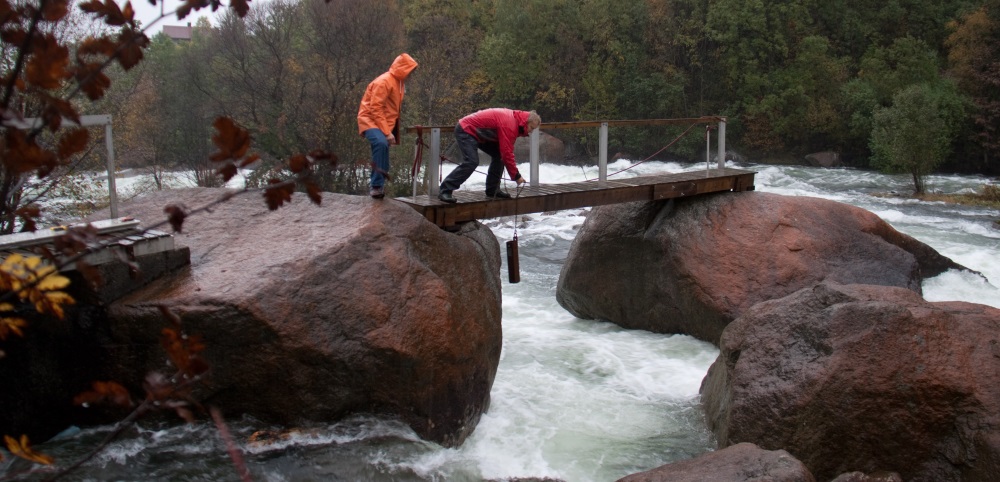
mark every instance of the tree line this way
{"type": "Point", "coordinates": [899, 85]}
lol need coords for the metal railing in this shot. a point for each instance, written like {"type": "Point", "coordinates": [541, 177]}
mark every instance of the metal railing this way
{"type": "Point", "coordinates": [432, 169]}
{"type": "Point", "coordinates": [85, 121]}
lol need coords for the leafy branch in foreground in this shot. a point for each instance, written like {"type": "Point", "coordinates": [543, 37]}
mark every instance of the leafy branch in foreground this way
{"type": "Point", "coordinates": [43, 81]}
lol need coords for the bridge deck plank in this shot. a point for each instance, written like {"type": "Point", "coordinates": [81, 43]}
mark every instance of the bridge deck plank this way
{"type": "Point", "coordinates": [554, 197]}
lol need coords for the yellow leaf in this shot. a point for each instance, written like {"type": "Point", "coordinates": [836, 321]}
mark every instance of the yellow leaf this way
{"type": "Point", "coordinates": [6, 307]}
{"type": "Point", "coordinates": [11, 325]}
{"type": "Point", "coordinates": [52, 302]}
{"type": "Point", "coordinates": [32, 262]}
{"type": "Point", "coordinates": [53, 282]}
{"type": "Point", "coordinates": [11, 261]}
{"type": "Point", "coordinates": [22, 449]}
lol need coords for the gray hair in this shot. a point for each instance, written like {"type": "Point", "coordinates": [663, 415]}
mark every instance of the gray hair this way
{"type": "Point", "coordinates": [534, 119]}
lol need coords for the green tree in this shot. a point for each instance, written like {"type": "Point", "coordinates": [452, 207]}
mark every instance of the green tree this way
{"type": "Point", "coordinates": [534, 56]}
{"type": "Point", "coordinates": [915, 133]}
{"type": "Point", "coordinates": [974, 61]}
{"type": "Point", "coordinates": [183, 137]}
{"type": "Point", "coordinates": [884, 72]}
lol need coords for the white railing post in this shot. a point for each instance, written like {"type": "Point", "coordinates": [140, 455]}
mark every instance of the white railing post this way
{"type": "Point", "coordinates": [533, 156]}
{"type": "Point", "coordinates": [722, 143]}
{"type": "Point", "coordinates": [602, 163]}
{"type": "Point", "coordinates": [434, 164]}
{"type": "Point", "coordinates": [85, 121]}
{"type": "Point", "coordinates": [708, 148]}
{"type": "Point", "coordinates": [112, 191]}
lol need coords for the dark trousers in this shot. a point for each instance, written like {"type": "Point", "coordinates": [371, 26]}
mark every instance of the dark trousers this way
{"type": "Point", "coordinates": [470, 148]}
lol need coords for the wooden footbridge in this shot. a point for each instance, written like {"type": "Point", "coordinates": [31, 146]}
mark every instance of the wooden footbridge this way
{"type": "Point", "coordinates": [538, 197]}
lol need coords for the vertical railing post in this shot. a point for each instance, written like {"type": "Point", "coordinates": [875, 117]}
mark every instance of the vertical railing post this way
{"type": "Point", "coordinates": [722, 142]}
{"type": "Point", "coordinates": [533, 156]}
{"type": "Point", "coordinates": [708, 148]}
{"type": "Point", "coordinates": [434, 164]}
{"type": "Point", "coordinates": [112, 190]}
{"type": "Point", "coordinates": [602, 163]}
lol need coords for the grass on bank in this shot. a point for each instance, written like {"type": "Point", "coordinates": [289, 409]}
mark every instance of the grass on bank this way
{"type": "Point", "coordinates": [988, 197]}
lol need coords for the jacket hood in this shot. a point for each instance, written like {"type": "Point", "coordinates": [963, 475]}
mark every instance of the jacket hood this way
{"type": "Point", "coordinates": [402, 66]}
{"type": "Point", "coordinates": [521, 117]}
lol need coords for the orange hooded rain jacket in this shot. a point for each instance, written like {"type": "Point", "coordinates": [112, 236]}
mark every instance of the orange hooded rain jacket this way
{"type": "Point", "coordinates": [384, 97]}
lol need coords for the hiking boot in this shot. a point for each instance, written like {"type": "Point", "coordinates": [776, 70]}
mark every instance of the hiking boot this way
{"type": "Point", "coordinates": [498, 195]}
{"type": "Point", "coordinates": [377, 192]}
{"type": "Point", "coordinates": [447, 197]}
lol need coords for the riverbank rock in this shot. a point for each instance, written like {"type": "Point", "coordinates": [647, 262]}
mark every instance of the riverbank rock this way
{"type": "Point", "coordinates": [692, 265]}
{"type": "Point", "coordinates": [743, 462]}
{"type": "Point", "coordinates": [312, 312]}
{"type": "Point", "coordinates": [863, 378]}
{"type": "Point", "coordinates": [824, 159]}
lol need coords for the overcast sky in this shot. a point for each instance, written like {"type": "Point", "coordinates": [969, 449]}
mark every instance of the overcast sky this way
{"type": "Point", "coordinates": [147, 13]}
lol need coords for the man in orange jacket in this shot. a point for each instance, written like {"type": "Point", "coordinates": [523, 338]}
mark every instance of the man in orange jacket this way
{"type": "Point", "coordinates": [492, 131]}
{"type": "Point", "coordinates": [378, 117]}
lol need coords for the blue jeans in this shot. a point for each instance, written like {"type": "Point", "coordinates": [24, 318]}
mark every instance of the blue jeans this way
{"type": "Point", "coordinates": [380, 156]}
{"type": "Point", "coordinates": [470, 148]}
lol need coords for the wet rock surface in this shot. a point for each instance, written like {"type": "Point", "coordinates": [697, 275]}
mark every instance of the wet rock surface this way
{"type": "Point", "coordinates": [692, 265]}
{"type": "Point", "coordinates": [861, 378]}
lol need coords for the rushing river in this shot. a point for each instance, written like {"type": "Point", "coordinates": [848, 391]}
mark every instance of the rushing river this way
{"type": "Point", "coordinates": [573, 400]}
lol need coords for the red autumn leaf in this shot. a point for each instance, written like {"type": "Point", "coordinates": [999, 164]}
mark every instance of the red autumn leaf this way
{"type": "Point", "coordinates": [47, 67]}
{"type": "Point", "coordinates": [28, 215]}
{"type": "Point", "coordinates": [184, 413]}
{"type": "Point", "coordinates": [227, 172]}
{"type": "Point", "coordinates": [55, 109]}
{"type": "Point", "coordinates": [7, 13]}
{"type": "Point", "coordinates": [55, 10]}
{"type": "Point", "coordinates": [109, 392]}
{"type": "Point", "coordinates": [252, 158]}
{"type": "Point", "coordinates": [102, 46]}
{"type": "Point", "coordinates": [14, 36]}
{"type": "Point", "coordinates": [298, 163]}
{"type": "Point", "coordinates": [313, 191]}
{"type": "Point", "coordinates": [90, 273]}
{"type": "Point", "coordinates": [157, 386]}
{"type": "Point", "coordinates": [232, 140]}
{"type": "Point", "coordinates": [175, 215]}
{"type": "Point", "coordinates": [72, 142]}
{"type": "Point", "coordinates": [277, 196]}
{"type": "Point", "coordinates": [183, 351]}
{"type": "Point", "coordinates": [108, 10]}
{"type": "Point", "coordinates": [241, 7]}
{"type": "Point", "coordinates": [23, 154]}
{"type": "Point", "coordinates": [128, 12]}
{"type": "Point", "coordinates": [323, 156]}
{"type": "Point", "coordinates": [92, 80]}
{"type": "Point", "coordinates": [132, 42]}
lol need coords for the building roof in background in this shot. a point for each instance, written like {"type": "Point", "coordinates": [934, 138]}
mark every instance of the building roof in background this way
{"type": "Point", "coordinates": [178, 32]}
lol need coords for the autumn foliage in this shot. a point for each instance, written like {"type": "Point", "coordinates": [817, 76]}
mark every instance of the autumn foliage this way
{"type": "Point", "coordinates": [42, 88]}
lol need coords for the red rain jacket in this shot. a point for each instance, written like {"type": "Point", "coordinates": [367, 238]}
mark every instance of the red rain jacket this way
{"type": "Point", "coordinates": [499, 125]}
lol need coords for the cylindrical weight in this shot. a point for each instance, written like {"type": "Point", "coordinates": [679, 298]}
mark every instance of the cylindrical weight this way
{"type": "Point", "coordinates": [513, 268]}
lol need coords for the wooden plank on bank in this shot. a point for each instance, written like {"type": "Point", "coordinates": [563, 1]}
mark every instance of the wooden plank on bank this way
{"type": "Point", "coordinates": [555, 197]}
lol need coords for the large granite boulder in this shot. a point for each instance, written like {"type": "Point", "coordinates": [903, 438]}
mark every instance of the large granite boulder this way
{"type": "Point", "coordinates": [743, 462]}
{"type": "Point", "coordinates": [692, 265]}
{"type": "Point", "coordinates": [863, 378]}
{"type": "Point", "coordinates": [312, 312]}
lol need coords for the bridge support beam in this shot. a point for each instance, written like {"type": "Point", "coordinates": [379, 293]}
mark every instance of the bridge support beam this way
{"type": "Point", "coordinates": [722, 143]}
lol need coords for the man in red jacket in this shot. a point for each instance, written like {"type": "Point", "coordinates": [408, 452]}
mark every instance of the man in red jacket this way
{"type": "Point", "coordinates": [378, 117]}
{"type": "Point", "coordinates": [493, 131]}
